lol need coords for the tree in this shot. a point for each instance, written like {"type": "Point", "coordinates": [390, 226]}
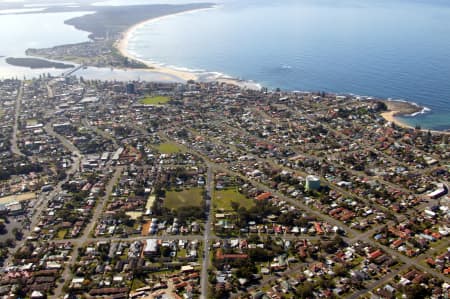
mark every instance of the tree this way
{"type": "Point", "coordinates": [259, 255]}
{"type": "Point", "coordinates": [305, 290]}
{"type": "Point", "coordinates": [339, 270]}
{"type": "Point", "coordinates": [219, 293]}
{"type": "Point", "coordinates": [165, 251]}
{"type": "Point", "coordinates": [381, 106]}
{"type": "Point", "coordinates": [17, 234]}
{"type": "Point", "coordinates": [416, 291]}
{"type": "Point", "coordinates": [235, 206]}
{"type": "Point", "coordinates": [2, 228]}
{"type": "Point", "coordinates": [10, 242]}
{"type": "Point", "coordinates": [246, 270]}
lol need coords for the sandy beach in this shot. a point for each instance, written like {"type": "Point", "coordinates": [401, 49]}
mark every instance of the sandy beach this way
{"type": "Point", "coordinates": [122, 47]}
{"type": "Point", "coordinates": [390, 116]}
{"type": "Point", "coordinates": [398, 108]}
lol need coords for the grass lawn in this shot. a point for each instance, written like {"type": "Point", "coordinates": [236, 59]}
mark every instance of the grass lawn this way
{"type": "Point", "coordinates": [223, 198]}
{"type": "Point", "coordinates": [61, 234]}
{"type": "Point", "coordinates": [137, 284]}
{"type": "Point", "coordinates": [31, 122]}
{"type": "Point", "coordinates": [168, 148]}
{"type": "Point", "coordinates": [158, 100]}
{"type": "Point", "coordinates": [191, 197]}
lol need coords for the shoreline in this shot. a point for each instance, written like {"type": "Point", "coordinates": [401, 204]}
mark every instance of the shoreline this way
{"type": "Point", "coordinates": [395, 108]}
{"type": "Point", "coordinates": [390, 116]}
{"type": "Point", "coordinates": [402, 108]}
{"type": "Point", "coordinates": [37, 63]}
{"type": "Point", "coordinates": [121, 43]}
{"type": "Point", "coordinates": [122, 46]}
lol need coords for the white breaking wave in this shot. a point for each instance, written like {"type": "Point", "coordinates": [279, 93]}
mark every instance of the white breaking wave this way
{"type": "Point", "coordinates": [423, 111]}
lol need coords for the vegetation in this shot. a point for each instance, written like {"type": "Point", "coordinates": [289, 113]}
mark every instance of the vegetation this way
{"type": "Point", "coordinates": [36, 63]}
{"type": "Point", "coordinates": [169, 148]}
{"type": "Point", "coordinates": [182, 199]}
{"type": "Point", "coordinates": [223, 199]}
{"type": "Point", "coordinates": [157, 100]}
{"type": "Point", "coordinates": [17, 167]}
{"type": "Point", "coordinates": [62, 234]}
{"type": "Point", "coordinates": [3, 229]}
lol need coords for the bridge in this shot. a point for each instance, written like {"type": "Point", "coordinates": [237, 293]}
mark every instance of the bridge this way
{"type": "Point", "coordinates": [72, 71]}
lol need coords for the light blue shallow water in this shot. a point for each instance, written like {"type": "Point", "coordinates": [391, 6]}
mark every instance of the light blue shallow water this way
{"type": "Point", "coordinates": [386, 48]}
{"type": "Point", "coordinates": [40, 30]}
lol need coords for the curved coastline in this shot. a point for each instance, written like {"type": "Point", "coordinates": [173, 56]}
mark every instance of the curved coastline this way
{"type": "Point", "coordinates": [395, 107]}
{"type": "Point", "coordinates": [183, 75]}
{"type": "Point", "coordinates": [122, 47]}
{"type": "Point", "coordinates": [404, 108]}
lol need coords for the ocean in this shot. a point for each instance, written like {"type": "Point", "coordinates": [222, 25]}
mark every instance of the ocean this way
{"type": "Point", "coordinates": [393, 49]}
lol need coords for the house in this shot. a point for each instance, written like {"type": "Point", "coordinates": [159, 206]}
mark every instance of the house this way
{"type": "Point", "coordinates": [375, 254]}
{"type": "Point", "coordinates": [151, 247]}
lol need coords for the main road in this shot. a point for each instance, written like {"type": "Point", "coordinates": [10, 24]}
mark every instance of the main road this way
{"type": "Point", "coordinates": [66, 143]}
{"type": "Point", "coordinates": [41, 203]}
{"type": "Point", "coordinates": [354, 235]}
{"type": "Point", "coordinates": [207, 234]}
{"type": "Point", "coordinates": [78, 243]}
{"type": "Point", "coordinates": [14, 148]}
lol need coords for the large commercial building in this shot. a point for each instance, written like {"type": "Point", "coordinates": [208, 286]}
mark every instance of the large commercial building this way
{"type": "Point", "coordinates": [312, 183]}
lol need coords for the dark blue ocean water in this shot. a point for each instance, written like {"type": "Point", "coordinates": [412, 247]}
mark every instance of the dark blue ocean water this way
{"type": "Point", "coordinates": [384, 48]}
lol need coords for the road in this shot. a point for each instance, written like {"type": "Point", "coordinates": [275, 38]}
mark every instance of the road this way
{"type": "Point", "coordinates": [207, 235]}
{"type": "Point", "coordinates": [79, 242]}
{"type": "Point", "coordinates": [50, 92]}
{"type": "Point", "coordinates": [14, 148]}
{"type": "Point", "coordinates": [41, 204]}
{"type": "Point", "coordinates": [354, 235]}
{"type": "Point", "coordinates": [66, 143]}
{"type": "Point", "coordinates": [378, 283]}
{"type": "Point", "coordinates": [99, 132]}
{"type": "Point", "coordinates": [72, 71]}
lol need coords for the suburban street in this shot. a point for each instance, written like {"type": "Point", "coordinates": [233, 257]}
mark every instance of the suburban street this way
{"type": "Point", "coordinates": [82, 240]}
{"type": "Point", "coordinates": [18, 104]}
{"type": "Point", "coordinates": [207, 234]}
{"type": "Point", "coordinates": [127, 186]}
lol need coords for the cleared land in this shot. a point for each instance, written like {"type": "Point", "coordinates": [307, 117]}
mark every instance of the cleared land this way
{"type": "Point", "coordinates": [169, 148]}
{"type": "Point", "coordinates": [158, 100]}
{"type": "Point", "coordinates": [186, 198]}
{"type": "Point", "coordinates": [134, 215]}
{"type": "Point", "coordinates": [224, 198]}
{"type": "Point", "coordinates": [61, 234]}
{"type": "Point", "coordinates": [32, 122]}
{"type": "Point", "coordinates": [17, 197]}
